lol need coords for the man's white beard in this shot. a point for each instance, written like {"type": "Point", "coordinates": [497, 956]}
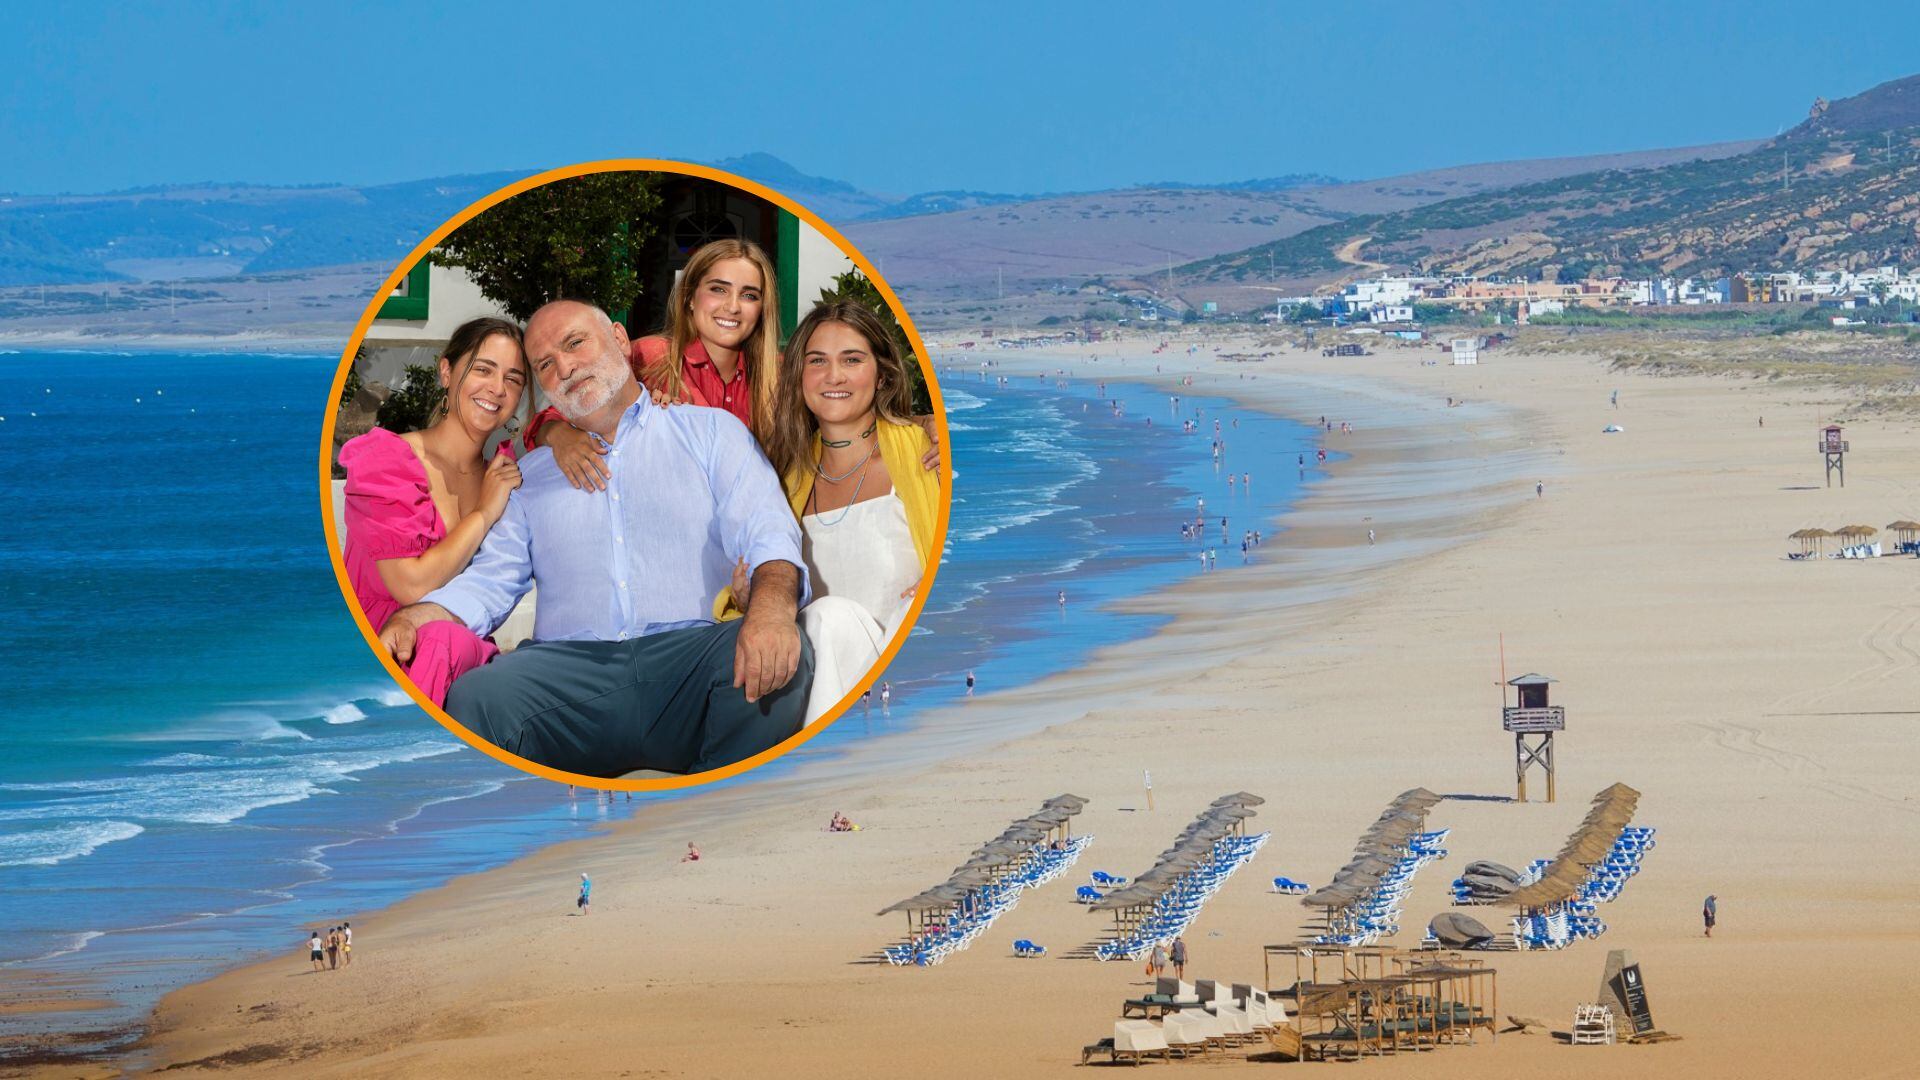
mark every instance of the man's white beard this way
{"type": "Point", "coordinates": [609, 375]}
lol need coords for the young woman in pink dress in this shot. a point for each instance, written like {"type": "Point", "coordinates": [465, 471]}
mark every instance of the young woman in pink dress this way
{"type": "Point", "coordinates": [418, 504]}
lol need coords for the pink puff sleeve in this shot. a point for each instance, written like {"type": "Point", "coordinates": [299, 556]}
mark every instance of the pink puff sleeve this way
{"type": "Point", "coordinates": [389, 508]}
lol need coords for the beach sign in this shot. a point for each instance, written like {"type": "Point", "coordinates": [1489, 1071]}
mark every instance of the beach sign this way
{"type": "Point", "coordinates": [1633, 990]}
{"type": "Point", "coordinates": [1623, 988]}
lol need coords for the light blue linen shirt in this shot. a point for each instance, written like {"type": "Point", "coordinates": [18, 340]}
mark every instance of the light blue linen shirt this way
{"type": "Point", "coordinates": [690, 493]}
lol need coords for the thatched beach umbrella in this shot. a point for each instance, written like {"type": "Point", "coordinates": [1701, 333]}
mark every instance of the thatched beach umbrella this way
{"type": "Point", "coordinates": [1239, 798]}
{"type": "Point", "coordinates": [1819, 538]}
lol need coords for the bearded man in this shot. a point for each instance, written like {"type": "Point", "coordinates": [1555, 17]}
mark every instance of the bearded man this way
{"type": "Point", "coordinates": [627, 669]}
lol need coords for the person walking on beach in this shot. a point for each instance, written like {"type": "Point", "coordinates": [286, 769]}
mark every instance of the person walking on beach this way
{"type": "Point", "coordinates": [1710, 912]}
{"type": "Point", "coordinates": [333, 948]}
{"type": "Point", "coordinates": [886, 697]}
{"type": "Point", "coordinates": [866, 701]}
{"type": "Point", "coordinates": [969, 684]}
{"type": "Point", "coordinates": [346, 944]}
{"type": "Point", "coordinates": [1369, 536]}
{"type": "Point", "coordinates": [316, 950]}
{"type": "Point", "coordinates": [585, 899]}
{"type": "Point", "coordinates": [1539, 489]}
{"type": "Point", "coordinates": [1616, 399]}
{"type": "Point", "coordinates": [1179, 957]}
{"type": "Point", "coordinates": [1157, 961]}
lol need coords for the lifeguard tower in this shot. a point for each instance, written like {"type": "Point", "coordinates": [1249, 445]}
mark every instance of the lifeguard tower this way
{"type": "Point", "coordinates": [1533, 718]}
{"type": "Point", "coordinates": [1834, 449]}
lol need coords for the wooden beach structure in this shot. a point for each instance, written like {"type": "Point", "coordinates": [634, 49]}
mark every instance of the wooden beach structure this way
{"type": "Point", "coordinates": [1533, 717]}
{"type": "Point", "coordinates": [1833, 448]}
{"type": "Point", "coordinates": [1350, 1003]}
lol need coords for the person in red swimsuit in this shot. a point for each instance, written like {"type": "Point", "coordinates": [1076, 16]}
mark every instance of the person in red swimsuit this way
{"type": "Point", "coordinates": [418, 503]}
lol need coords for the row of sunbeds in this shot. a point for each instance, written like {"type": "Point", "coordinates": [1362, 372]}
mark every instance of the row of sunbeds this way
{"type": "Point", "coordinates": [986, 904]}
{"type": "Point", "coordinates": [1175, 909]}
{"type": "Point", "coordinates": [1576, 919]}
{"type": "Point", "coordinates": [1376, 914]}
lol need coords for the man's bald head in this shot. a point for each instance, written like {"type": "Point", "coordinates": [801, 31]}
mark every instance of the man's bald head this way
{"type": "Point", "coordinates": [579, 355]}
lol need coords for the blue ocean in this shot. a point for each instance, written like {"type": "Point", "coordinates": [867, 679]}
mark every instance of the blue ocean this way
{"type": "Point", "coordinates": [204, 760]}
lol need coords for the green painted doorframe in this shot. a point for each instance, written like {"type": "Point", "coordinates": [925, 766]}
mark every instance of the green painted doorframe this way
{"type": "Point", "coordinates": [787, 266]}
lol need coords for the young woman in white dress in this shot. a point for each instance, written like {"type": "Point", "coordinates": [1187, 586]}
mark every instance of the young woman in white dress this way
{"type": "Point", "coordinates": [850, 456]}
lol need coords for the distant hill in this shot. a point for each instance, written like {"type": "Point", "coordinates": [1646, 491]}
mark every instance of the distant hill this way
{"type": "Point", "coordinates": [965, 255]}
{"type": "Point", "coordinates": [835, 200]}
{"type": "Point", "coordinates": [1288, 182]}
{"type": "Point", "coordinates": [209, 230]}
{"type": "Point", "coordinates": [1887, 107]}
{"type": "Point", "coordinates": [1837, 191]}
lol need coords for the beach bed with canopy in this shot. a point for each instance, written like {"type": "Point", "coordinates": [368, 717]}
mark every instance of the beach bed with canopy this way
{"type": "Point", "coordinates": [1351, 1002]}
{"type": "Point", "coordinates": [1032, 851]}
{"type": "Point", "coordinates": [1158, 905]}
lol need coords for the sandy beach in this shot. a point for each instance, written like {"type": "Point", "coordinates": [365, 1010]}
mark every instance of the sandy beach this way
{"type": "Point", "coordinates": [1763, 708]}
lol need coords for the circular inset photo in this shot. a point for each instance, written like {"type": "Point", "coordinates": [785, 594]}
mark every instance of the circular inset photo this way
{"type": "Point", "coordinates": [632, 474]}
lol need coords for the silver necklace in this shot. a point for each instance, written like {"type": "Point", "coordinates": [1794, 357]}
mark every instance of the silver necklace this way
{"type": "Point", "coordinates": [847, 509]}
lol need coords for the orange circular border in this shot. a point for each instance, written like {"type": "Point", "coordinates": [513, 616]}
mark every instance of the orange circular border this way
{"type": "Point", "coordinates": [334, 551]}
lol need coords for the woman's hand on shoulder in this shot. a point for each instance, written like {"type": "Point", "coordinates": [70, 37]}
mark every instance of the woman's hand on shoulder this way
{"type": "Point", "coordinates": [930, 461]}
{"type": "Point", "coordinates": [578, 455]}
{"type": "Point", "coordinates": [503, 476]}
{"type": "Point", "coordinates": [741, 584]}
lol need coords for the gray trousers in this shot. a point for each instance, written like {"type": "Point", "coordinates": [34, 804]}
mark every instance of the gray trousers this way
{"type": "Point", "coordinates": [605, 708]}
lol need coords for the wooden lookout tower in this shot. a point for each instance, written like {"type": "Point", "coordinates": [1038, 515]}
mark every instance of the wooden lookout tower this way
{"type": "Point", "coordinates": [1532, 718]}
{"type": "Point", "coordinates": [1834, 449]}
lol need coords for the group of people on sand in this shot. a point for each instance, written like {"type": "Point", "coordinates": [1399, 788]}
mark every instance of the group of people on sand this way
{"type": "Point", "coordinates": [331, 950]}
{"type": "Point", "coordinates": [725, 533]}
{"type": "Point", "coordinates": [841, 823]}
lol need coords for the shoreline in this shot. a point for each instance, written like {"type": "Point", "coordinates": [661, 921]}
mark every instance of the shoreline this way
{"type": "Point", "coordinates": [1325, 714]}
{"type": "Point", "coordinates": [74, 341]}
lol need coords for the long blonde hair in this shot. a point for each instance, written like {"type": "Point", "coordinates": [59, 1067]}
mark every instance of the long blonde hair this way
{"type": "Point", "coordinates": [789, 443]}
{"type": "Point", "coordinates": [760, 351]}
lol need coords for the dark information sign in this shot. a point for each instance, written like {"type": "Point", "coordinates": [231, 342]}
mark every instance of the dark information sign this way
{"type": "Point", "coordinates": [1633, 992]}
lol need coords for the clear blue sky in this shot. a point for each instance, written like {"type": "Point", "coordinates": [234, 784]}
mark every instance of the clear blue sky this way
{"type": "Point", "coordinates": [1020, 97]}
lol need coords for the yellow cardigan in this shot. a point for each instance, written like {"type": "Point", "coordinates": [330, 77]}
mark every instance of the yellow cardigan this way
{"type": "Point", "coordinates": [901, 448]}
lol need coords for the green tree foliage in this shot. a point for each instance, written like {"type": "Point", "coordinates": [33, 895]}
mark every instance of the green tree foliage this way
{"type": "Point", "coordinates": [352, 384]}
{"type": "Point", "coordinates": [853, 285]}
{"type": "Point", "coordinates": [572, 238]}
{"type": "Point", "coordinates": [413, 403]}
